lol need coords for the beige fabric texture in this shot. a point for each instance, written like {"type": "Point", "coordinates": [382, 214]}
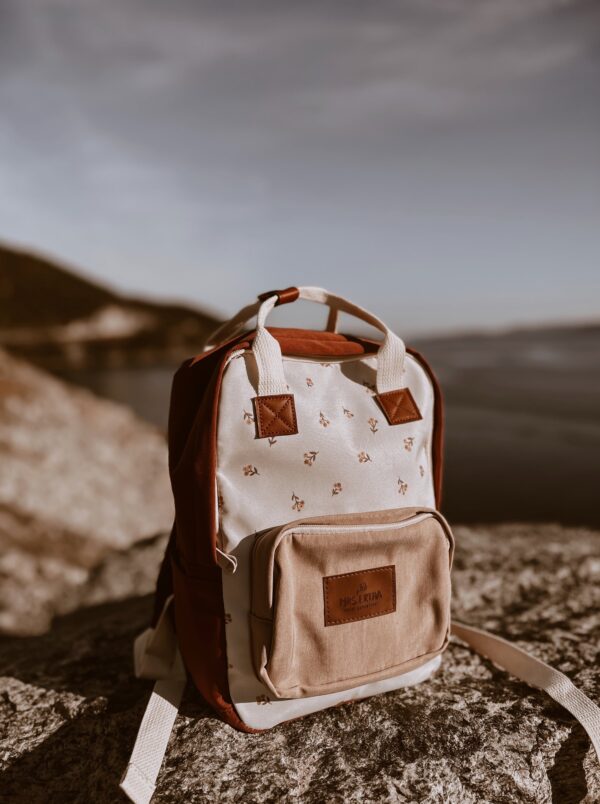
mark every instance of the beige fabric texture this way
{"type": "Point", "coordinates": [295, 653]}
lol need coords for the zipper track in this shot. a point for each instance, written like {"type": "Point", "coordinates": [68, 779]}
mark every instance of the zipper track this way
{"type": "Point", "coordinates": [308, 528]}
{"type": "Point", "coordinates": [323, 359]}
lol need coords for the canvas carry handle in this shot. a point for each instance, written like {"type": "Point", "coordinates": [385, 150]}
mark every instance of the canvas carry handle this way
{"type": "Point", "coordinates": [267, 352]}
{"type": "Point", "coordinates": [228, 329]}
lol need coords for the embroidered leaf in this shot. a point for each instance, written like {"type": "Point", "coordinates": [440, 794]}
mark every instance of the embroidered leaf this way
{"type": "Point", "coordinates": [363, 457]}
{"type": "Point", "coordinates": [348, 413]}
{"type": "Point", "coordinates": [248, 417]}
{"type": "Point", "coordinates": [373, 424]}
{"type": "Point", "coordinates": [272, 441]}
{"type": "Point", "coordinates": [337, 489]}
{"type": "Point", "coordinates": [402, 486]}
{"type": "Point", "coordinates": [421, 470]}
{"type": "Point", "coordinates": [323, 420]}
{"type": "Point", "coordinates": [250, 470]}
{"type": "Point", "coordinates": [310, 457]}
{"type": "Point", "coordinates": [408, 443]}
{"type": "Point", "coordinates": [297, 503]}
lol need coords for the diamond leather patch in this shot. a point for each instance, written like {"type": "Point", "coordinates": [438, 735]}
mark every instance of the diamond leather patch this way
{"type": "Point", "coordinates": [399, 406]}
{"type": "Point", "coordinates": [275, 415]}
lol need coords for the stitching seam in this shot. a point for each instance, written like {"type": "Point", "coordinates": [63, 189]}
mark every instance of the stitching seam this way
{"type": "Point", "coordinates": [266, 429]}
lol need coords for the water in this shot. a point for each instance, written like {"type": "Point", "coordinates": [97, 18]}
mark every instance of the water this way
{"type": "Point", "coordinates": [522, 423]}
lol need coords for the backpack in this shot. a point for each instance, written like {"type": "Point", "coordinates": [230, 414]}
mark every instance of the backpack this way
{"type": "Point", "coordinates": [308, 564]}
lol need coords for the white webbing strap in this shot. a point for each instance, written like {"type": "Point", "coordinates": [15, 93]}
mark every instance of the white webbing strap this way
{"type": "Point", "coordinates": [139, 779]}
{"type": "Point", "coordinates": [156, 655]}
{"type": "Point", "coordinates": [537, 673]}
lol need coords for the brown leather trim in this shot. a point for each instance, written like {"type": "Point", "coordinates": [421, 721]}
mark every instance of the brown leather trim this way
{"type": "Point", "coordinates": [196, 577]}
{"type": "Point", "coordinates": [437, 438]}
{"type": "Point", "coordinates": [275, 415]}
{"type": "Point", "coordinates": [399, 406]}
{"type": "Point", "coordinates": [284, 296]}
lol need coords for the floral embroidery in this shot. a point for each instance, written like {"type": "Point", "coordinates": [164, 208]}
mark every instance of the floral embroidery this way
{"type": "Point", "coordinates": [408, 443]}
{"type": "Point", "coordinates": [326, 365]}
{"type": "Point", "coordinates": [262, 700]}
{"type": "Point", "coordinates": [227, 618]}
{"type": "Point", "coordinates": [369, 386]}
{"type": "Point", "coordinates": [310, 457]}
{"type": "Point", "coordinates": [363, 457]}
{"type": "Point", "coordinates": [250, 470]}
{"type": "Point", "coordinates": [348, 413]}
{"type": "Point", "coordinates": [272, 441]}
{"type": "Point", "coordinates": [297, 503]}
{"type": "Point", "coordinates": [337, 489]}
{"type": "Point", "coordinates": [248, 417]}
{"type": "Point", "coordinates": [309, 382]}
{"type": "Point", "coordinates": [323, 420]}
{"type": "Point", "coordinates": [402, 486]}
{"type": "Point", "coordinates": [421, 470]}
{"type": "Point", "coordinates": [373, 424]}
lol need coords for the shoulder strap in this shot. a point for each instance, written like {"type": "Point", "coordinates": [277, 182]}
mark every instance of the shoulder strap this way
{"type": "Point", "coordinates": [536, 673]}
{"type": "Point", "coordinates": [139, 780]}
{"type": "Point", "coordinates": [156, 655]}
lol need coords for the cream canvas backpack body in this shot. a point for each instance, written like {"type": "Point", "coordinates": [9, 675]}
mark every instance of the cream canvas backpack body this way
{"type": "Point", "coordinates": [309, 564]}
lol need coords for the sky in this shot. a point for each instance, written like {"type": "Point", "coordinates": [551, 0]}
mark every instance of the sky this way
{"type": "Point", "coordinates": [437, 161]}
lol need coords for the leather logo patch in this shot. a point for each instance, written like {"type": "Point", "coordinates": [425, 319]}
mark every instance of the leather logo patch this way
{"type": "Point", "coordinates": [359, 595]}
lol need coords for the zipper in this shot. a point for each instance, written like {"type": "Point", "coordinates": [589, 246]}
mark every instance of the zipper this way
{"type": "Point", "coordinates": [315, 528]}
{"type": "Point", "coordinates": [413, 520]}
{"type": "Point", "coordinates": [333, 529]}
{"type": "Point", "coordinates": [327, 359]}
{"type": "Point", "coordinates": [323, 360]}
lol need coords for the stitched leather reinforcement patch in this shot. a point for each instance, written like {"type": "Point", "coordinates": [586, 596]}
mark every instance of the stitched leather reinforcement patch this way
{"type": "Point", "coordinates": [359, 595]}
{"type": "Point", "coordinates": [399, 406]}
{"type": "Point", "coordinates": [275, 415]}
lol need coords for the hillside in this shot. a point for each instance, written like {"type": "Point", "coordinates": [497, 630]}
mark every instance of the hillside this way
{"type": "Point", "coordinates": [59, 319]}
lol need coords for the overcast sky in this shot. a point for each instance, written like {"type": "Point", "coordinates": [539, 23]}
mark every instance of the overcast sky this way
{"type": "Point", "coordinates": [438, 162]}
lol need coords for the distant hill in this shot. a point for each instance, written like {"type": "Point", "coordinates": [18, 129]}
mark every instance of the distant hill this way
{"type": "Point", "coordinates": [56, 318]}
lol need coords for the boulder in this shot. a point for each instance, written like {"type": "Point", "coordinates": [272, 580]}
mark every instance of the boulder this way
{"type": "Point", "coordinates": [80, 477]}
{"type": "Point", "coordinates": [70, 708]}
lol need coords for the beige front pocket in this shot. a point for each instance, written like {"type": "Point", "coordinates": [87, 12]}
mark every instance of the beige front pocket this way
{"type": "Point", "coordinates": [341, 601]}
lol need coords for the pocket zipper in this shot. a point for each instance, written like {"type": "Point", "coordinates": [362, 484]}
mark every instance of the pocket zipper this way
{"type": "Point", "coordinates": [307, 528]}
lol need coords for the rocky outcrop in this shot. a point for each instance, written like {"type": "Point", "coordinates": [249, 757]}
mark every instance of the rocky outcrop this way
{"type": "Point", "coordinates": [69, 707]}
{"type": "Point", "coordinates": [80, 478]}
{"type": "Point", "coordinates": [60, 320]}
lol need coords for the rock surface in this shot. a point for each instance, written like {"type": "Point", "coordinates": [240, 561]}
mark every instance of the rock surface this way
{"type": "Point", "coordinates": [79, 477]}
{"type": "Point", "coordinates": [70, 709]}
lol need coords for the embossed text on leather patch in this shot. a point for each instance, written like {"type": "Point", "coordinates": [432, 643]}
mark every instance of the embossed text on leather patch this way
{"type": "Point", "coordinates": [359, 595]}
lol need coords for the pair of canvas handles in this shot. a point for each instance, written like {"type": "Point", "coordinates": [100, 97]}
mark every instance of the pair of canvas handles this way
{"type": "Point", "coordinates": [157, 656]}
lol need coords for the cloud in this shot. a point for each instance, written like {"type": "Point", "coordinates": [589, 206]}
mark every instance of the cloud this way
{"type": "Point", "coordinates": [136, 134]}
